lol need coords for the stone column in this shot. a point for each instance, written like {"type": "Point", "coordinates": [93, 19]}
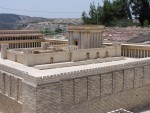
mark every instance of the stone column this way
{"type": "Point", "coordinates": [122, 51]}
{"type": "Point", "coordinates": [98, 40]}
{"type": "Point", "coordinates": [141, 53]}
{"type": "Point", "coordinates": [134, 53]}
{"type": "Point", "coordinates": [22, 45]}
{"type": "Point", "coordinates": [137, 53]}
{"type": "Point", "coordinates": [125, 52]}
{"type": "Point", "coordinates": [71, 38]}
{"type": "Point", "coordinates": [130, 53]}
{"type": "Point", "coordinates": [10, 45]}
{"type": "Point", "coordinates": [147, 53]}
{"type": "Point", "coordinates": [144, 54]}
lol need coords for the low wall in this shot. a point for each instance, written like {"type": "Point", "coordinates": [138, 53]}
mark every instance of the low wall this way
{"type": "Point", "coordinates": [47, 58]}
{"type": "Point", "coordinates": [112, 51]}
{"type": "Point", "coordinates": [15, 56]}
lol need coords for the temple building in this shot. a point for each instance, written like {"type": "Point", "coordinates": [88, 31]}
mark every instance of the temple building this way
{"type": "Point", "coordinates": [86, 37]}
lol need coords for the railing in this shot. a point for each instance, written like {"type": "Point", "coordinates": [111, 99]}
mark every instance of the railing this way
{"type": "Point", "coordinates": [135, 51]}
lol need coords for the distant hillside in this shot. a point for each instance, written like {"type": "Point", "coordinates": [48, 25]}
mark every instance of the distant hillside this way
{"type": "Point", "coordinates": [13, 21]}
{"type": "Point", "coordinates": [52, 25]}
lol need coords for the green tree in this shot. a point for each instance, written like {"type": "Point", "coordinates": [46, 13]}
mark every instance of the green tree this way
{"type": "Point", "coordinates": [90, 18]}
{"type": "Point", "coordinates": [107, 14]}
{"type": "Point", "coordinates": [93, 13]}
{"type": "Point", "coordinates": [58, 30]}
{"type": "Point", "coordinates": [85, 18]}
{"type": "Point", "coordinates": [46, 31]}
{"type": "Point", "coordinates": [114, 11]}
{"type": "Point", "coordinates": [146, 23]}
{"type": "Point", "coordinates": [141, 10]}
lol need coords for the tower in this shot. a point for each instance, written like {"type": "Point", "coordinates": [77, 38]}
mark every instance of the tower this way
{"type": "Point", "coordinates": [86, 37]}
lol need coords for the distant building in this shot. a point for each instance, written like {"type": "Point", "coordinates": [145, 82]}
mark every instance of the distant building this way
{"type": "Point", "coordinates": [21, 38]}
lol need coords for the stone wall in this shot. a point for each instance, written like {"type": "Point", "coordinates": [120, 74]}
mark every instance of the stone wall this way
{"type": "Point", "coordinates": [83, 54]}
{"type": "Point", "coordinates": [100, 93]}
{"type": "Point", "coordinates": [10, 93]}
{"type": "Point", "coordinates": [15, 56]}
{"type": "Point", "coordinates": [30, 58]}
{"type": "Point", "coordinates": [95, 90]}
{"type": "Point", "coordinates": [48, 58]}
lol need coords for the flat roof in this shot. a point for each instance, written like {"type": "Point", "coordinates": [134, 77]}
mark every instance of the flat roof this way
{"type": "Point", "coordinates": [18, 35]}
{"type": "Point", "coordinates": [18, 30]}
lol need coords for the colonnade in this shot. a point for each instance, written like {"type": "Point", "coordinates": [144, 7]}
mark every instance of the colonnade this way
{"type": "Point", "coordinates": [135, 52]}
{"type": "Point", "coordinates": [18, 38]}
{"type": "Point", "coordinates": [24, 45]}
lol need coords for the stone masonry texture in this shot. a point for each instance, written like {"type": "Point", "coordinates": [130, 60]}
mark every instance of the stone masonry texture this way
{"type": "Point", "coordinates": [99, 93]}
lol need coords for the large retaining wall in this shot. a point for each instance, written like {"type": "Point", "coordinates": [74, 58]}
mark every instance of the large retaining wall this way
{"type": "Point", "coordinates": [10, 93]}
{"type": "Point", "coordinates": [99, 93]}
{"type": "Point", "coordinates": [97, 90]}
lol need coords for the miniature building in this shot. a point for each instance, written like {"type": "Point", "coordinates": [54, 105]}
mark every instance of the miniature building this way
{"type": "Point", "coordinates": [21, 38]}
{"type": "Point", "coordinates": [86, 37]}
{"type": "Point", "coordinates": [62, 55]}
{"type": "Point", "coordinates": [74, 80]}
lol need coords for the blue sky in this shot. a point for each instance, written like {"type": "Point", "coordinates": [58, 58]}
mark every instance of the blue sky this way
{"type": "Point", "coordinates": [75, 6]}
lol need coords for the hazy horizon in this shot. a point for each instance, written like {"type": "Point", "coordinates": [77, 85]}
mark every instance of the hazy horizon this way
{"type": "Point", "coordinates": [46, 8]}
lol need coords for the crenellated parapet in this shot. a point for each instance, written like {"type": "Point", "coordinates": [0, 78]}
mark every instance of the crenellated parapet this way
{"type": "Point", "coordinates": [94, 70]}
